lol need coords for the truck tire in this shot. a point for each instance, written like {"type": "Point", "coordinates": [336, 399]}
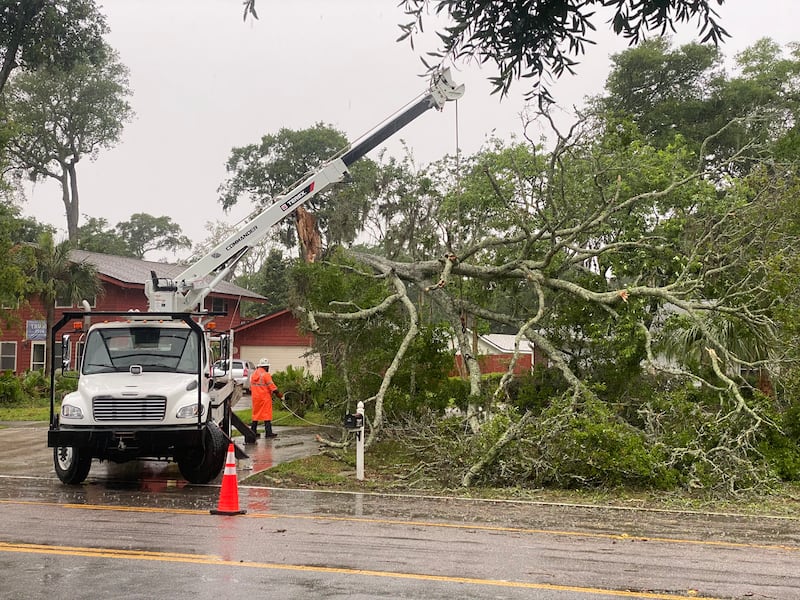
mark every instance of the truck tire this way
{"type": "Point", "coordinates": [199, 465]}
{"type": "Point", "coordinates": [71, 464]}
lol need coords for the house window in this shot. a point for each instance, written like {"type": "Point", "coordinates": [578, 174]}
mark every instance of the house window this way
{"type": "Point", "coordinates": [63, 302]}
{"type": "Point", "coordinates": [219, 305]}
{"type": "Point", "coordinates": [8, 356]}
{"type": "Point", "coordinates": [37, 356]}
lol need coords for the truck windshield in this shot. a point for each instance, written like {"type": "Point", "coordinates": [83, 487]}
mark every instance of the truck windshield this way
{"type": "Point", "coordinates": [166, 349]}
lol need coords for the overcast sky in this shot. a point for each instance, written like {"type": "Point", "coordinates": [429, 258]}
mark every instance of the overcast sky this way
{"type": "Point", "coordinates": [204, 82]}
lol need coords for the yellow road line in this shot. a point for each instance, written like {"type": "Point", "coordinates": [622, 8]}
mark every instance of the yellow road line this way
{"type": "Point", "coordinates": [429, 524]}
{"type": "Point", "coordinates": [204, 559]}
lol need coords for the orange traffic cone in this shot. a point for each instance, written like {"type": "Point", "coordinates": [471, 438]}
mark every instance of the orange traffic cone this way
{"type": "Point", "coordinates": [229, 494]}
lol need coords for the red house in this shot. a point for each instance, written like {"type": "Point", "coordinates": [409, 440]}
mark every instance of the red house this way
{"type": "Point", "coordinates": [495, 351]}
{"type": "Point", "coordinates": [276, 337]}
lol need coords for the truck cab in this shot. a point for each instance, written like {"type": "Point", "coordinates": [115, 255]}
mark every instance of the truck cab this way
{"type": "Point", "coordinates": [145, 390]}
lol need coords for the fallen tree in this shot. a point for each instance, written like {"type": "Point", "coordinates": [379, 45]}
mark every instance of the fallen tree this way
{"type": "Point", "coordinates": [597, 251]}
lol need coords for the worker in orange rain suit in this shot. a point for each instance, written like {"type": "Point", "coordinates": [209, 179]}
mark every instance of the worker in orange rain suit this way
{"type": "Point", "coordinates": [261, 389]}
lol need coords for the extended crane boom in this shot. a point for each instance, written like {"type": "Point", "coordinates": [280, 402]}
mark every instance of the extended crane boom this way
{"type": "Point", "coordinates": [188, 290]}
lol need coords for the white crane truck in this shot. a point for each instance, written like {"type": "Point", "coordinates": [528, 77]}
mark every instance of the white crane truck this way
{"type": "Point", "coordinates": [146, 388]}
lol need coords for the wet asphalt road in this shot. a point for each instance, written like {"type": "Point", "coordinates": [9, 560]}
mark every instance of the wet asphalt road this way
{"type": "Point", "coordinates": [139, 531]}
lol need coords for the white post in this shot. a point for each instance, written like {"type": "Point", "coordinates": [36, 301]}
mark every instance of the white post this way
{"type": "Point", "coordinates": [360, 444]}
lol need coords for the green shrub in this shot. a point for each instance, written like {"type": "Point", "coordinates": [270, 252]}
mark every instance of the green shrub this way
{"type": "Point", "coordinates": [11, 391]}
{"type": "Point", "coordinates": [35, 385]}
{"type": "Point", "coordinates": [330, 392]}
{"type": "Point", "coordinates": [296, 384]}
{"type": "Point", "coordinates": [454, 392]}
{"type": "Point", "coordinates": [534, 391]}
{"type": "Point", "coordinates": [586, 445]}
{"type": "Point", "coordinates": [66, 383]}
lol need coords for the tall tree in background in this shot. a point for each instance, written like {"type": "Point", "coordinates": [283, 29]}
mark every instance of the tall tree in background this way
{"type": "Point", "coordinates": [144, 233]}
{"type": "Point", "coordinates": [57, 277]}
{"type": "Point", "coordinates": [271, 281]}
{"type": "Point", "coordinates": [141, 234]}
{"type": "Point", "coordinates": [61, 117]}
{"type": "Point", "coordinates": [667, 91]}
{"type": "Point", "coordinates": [260, 172]}
{"type": "Point", "coordinates": [49, 34]}
{"type": "Point", "coordinates": [95, 235]}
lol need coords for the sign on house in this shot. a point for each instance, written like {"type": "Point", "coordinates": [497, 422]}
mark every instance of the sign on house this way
{"type": "Point", "coordinates": [35, 331]}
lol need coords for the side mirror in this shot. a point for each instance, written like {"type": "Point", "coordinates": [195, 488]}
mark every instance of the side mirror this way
{"type": "Point", "coordinates": [224, 347]}
{"type": "Point", "coordinates": [66, 353]}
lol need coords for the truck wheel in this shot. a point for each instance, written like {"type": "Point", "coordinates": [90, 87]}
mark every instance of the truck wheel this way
{"type": "Point", "coordinates": [72, 464]}
{"type": "Point", "coordinates": [199, 465]}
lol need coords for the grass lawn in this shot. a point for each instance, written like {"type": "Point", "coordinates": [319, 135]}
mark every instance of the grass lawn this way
{"type": "Point", "coordinates": [38, 410]}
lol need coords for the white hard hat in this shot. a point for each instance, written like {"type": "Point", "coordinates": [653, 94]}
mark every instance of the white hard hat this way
{"type": "Point", "coordinates": [264, 362]}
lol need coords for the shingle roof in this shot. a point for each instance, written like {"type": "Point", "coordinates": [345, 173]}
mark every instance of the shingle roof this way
{"type": "Point", "coordinates": [132, 271]}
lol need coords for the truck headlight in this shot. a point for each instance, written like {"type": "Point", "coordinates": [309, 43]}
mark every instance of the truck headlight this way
{"type": "Point", "coordinates": [68, 411]}
{"type": "Point", "coordinates": [189, 411]}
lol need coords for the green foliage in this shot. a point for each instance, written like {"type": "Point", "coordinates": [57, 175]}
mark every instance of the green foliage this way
{"type": "Point", "coordinates": [16, 234]}
{"type": "Point", "coordinates": [141, 234]}
{"type": "Point", "coordinates": [361, 349]}
{"type": "Point", "coordinates": [35, 384]}
{"type": "Point", "coordinates": [271, 281]}
{"type": "Point", "coordinates": [567, 446]}
{"type": "Point", "coordinates": [144, 233]}
{"type": "Point", "coordinates": [63, 116]}
{"type": "Point", "coordinates": [11, 391]}
{"type": "Point", "coordinates": [56, 277]}
{"type": "Point", "coordinates": [55, 34]}
{"type": "Point", "coordinates": [95, 235]}
{"type": "Point", "coordinates": [297, 386]}
{"type": "Point", "coordinates": [588, 445]}
{"type": "Point", "coordinates": [661, 433]}
{"type": "Point", "coordinates": [33, 387]}
{"type": "Point", "coordinates": [685, 91]}
{"type": "Point", "coordinates": [65, 383]}
{"type": "Point", "coordinates": [330, 392]}
{"type": "Point", "coordinates": [260, 172]}
{"type": "Point", "coordinates": [454, 392]}
{"type": "Point", "coordinates": [534, 391]}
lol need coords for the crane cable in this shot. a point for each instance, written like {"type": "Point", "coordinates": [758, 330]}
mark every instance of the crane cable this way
{"type": "Point", "coordinates": [458, 217]}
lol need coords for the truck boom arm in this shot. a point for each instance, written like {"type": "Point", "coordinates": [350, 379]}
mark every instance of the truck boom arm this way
{"type": "Point", "coordinates": [189, 289]}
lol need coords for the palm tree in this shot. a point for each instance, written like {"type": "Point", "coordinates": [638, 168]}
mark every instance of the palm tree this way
{"type": "Point", "coordinates": [684, 341]}
{"type": "Point", "coordinates": [57, 277]}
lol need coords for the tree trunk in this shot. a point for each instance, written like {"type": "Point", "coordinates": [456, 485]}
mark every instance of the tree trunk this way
{"type": "Point", "coordinates": [308, 234]}
{"type": "Point", "coordinates": [71, 202]}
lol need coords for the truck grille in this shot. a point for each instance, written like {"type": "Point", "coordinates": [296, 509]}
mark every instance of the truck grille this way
{"type": "Point", "coordinates": [147, 408]}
